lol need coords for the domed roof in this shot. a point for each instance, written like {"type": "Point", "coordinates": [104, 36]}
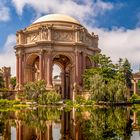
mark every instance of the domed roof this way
{"type": "Point", "coordinates": [57, 17]}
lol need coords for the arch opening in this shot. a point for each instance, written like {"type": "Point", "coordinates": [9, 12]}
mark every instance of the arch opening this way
{"type": "Point", "coordinates": [61, 63]}
{"type": "Point", "coordinates": [32, 68]}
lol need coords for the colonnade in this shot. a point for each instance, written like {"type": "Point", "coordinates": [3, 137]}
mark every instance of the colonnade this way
{"type": "Point", "coordinates": [24, 67]}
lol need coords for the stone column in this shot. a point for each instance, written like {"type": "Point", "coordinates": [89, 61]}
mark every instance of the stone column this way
{"type": "Point", "coordinates": [20, 37]}
{"type": "Point", "coordinates": [134, 119]}
{"type": "Point", "coordinates": [17, 71]}
{"type": "Point", "coordinates": [49, 70]}
{"type": "Point", "coordinates": [84, 62]}
{"type": "Point", "coordinates": [20, 130]}
{"type": "Point", "coordinates": [77, 68]}
{"type": "Point", "coordinates": [62, 81]}
{"type": "Point", "coordinates": [77, 35]}
{"type": "Point", "coordinates": [49, 33]}
{"type": "Point", "coordinates": [20, 71]}
{"type": "Point", "coordinates": [41, 64]}
{"type": "Point", "coordinates": [135, 86]}
{"type": "Point", "coordinates": [17, 130]}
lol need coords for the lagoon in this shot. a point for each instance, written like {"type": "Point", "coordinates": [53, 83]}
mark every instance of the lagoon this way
{"type": "Point", "coordinates": [61, 123]}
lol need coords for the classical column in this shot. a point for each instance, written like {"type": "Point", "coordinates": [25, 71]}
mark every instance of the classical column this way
{"type": "Point", "coordinates": [134, 119]}
{"type": "Point", "coordinates": [77, 68]}
{"type": "Point", "coordinates": [62, 81]}
{"type": "Point", "coordinates": [49, 33]}
{"type": "Point", "coordinates": [77, 35]}
{"type": "Point", "coordinates": [135, 86]}
{"type": "Point", "coordinates": [18, 130]}
{"type": "Point", "coordinates": [20, 70]}
{"type": "Point", "coordinates": [17, 71]}
{"type": "Point", "coordinates": [41, 64]}
{"type": "Point", "coordinates": [49, 69]}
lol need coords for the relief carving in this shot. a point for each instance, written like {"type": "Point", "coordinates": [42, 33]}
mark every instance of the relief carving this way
{"type": "Point", "coordinates": [62, 36]}
{"type": "Point", "coordinates": [81, 36]}
{"type": "Point", "coordinates": [32, 37]}
{"type": "Point", "coordinates": [43, 33]}
{"type": "Point", "coordinates": [88, 41]}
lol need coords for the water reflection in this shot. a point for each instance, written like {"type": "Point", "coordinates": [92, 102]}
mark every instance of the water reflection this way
{"type": "Point", "coordinates": [76, 124]}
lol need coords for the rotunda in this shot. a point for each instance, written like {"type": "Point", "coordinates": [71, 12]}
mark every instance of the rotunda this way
{"type": "Point", "coordinates": [54, 39]}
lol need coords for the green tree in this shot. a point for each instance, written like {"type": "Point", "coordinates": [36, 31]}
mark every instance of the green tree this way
{"type": "Point", "coordinates": [49, 97]}
{"type": "Point", "coordinates": [108, 81]}
{"type": "Point", "coordinates": [127, 73]}
{"type": "Point", "coordinates": [33, 90]}
{"type": "Point", "coordinates": [36, 91]}
{"type": "Point", "coordinates": [13, 82]}
{"type": "Point", "coordinates": [1, 82]}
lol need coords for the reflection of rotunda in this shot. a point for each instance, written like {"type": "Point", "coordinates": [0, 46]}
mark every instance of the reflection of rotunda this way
{"type": "Point", "coordinates": [54, 39]}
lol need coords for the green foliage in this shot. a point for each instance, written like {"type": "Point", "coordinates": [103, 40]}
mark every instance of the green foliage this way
{"type": "Point", "coordinates": [105, 124]}
{"type": "Point", "coordinates": [13, 82]}
{"type": "Point", "coordinates": [36, 91]}
{"type": "Point", "coordinates": [80, 100]}
{"type": "Point", "coordinates": [37, 118]}
{"type": "Point", "coordinates": [7, 103]}
{"type": "Point", "coordinates": [138, 84]}
{"type": "Point", "coordinates": [134, 98]}
{"type": "Point", "coordinates": [50, 97]}
{"type": "Point", "coordinates": [108, 81]}
{"type": "Point", "coordinates": [33, 90]}
{"type": "Point", "coordinates": [1, 82]}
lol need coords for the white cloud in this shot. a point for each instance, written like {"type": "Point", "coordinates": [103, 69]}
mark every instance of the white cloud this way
{"type": "Point", "coordinates": [80, 11]}
{"type": "Point", "coordinates": [7, 56]}
{"type": "Point", "coordinates": [4, 12]}
{"type": "Point", "coordinates": [120, 43]}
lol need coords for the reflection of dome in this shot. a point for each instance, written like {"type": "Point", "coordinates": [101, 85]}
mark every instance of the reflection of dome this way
{"type": "Point", "coordinates": [56, 17]}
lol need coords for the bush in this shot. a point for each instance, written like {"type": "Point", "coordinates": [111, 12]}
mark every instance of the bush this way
{"type": "Point", "coordinates": [33, 90]}
{"type": "Point", "coordinates": [50, 97]}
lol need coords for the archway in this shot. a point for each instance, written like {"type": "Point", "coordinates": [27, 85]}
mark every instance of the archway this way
{"type": "Point", "coordinates": [63, 62]}
{"type": "Point", "coordinates": [32, 68]}
{"type": "Point", "coordinates": [56, 78]}
{"type": "Point", "coordinates": [88, 63]}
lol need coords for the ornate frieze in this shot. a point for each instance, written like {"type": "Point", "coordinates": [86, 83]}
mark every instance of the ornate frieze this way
{"type": "Point", "coordinates": [32, 37]}
{"type": "Point", "coordinates": [65, 36]}
{"type": "Point", "coordinates": [43, 33]}
{"type": "Point", "coordinates": [89, 41]}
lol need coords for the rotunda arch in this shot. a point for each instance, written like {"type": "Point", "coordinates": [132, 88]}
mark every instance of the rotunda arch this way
{"type": "Point", "coordinates": [64, 63]}
{"type": "Point", "coordinates": [32, 68]}
{"type": "Point", "coordinates": [88, 62]}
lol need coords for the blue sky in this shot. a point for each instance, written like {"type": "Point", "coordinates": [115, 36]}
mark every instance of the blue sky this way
{"type": "Point", "coordinates": [117, 22]}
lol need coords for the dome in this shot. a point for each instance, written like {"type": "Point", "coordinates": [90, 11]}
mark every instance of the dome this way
{"type": "Point", "coordinates": [57, 17]}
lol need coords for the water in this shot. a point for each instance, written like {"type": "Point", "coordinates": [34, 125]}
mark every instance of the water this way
{"type": "Point", "coordinates": [50, 123]}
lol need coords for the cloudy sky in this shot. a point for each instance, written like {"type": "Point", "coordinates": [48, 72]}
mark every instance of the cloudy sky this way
{"type": "Point", "coordinates": [117, 22]}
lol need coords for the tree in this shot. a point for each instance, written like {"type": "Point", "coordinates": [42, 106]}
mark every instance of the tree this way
{"type": "Point", "coordinates": [36, 91]}
{"type": "Point", "coordinates": [108, 81]}
{"type": "Point", "coordinates": [13, 82]}
{"type": "Point", "coordinates": [127, 73]}
{"type": "Point", "coordinates": [33, 90]}
{"type": "Point", "coordinates": [1, 82]}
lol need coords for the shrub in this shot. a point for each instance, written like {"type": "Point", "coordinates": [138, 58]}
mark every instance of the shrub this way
{"type": "Point", "coordinates": [50, 97]}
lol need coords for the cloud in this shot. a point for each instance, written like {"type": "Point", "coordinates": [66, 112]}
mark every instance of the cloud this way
{"type": "Point", "coordinates": [138, 18]}
{"type": "Point", "coordinates": [120, 43]}
{"type": "Point", "coordinates": [7, 55]}
{"type": "Point", "coordinates": [4, 12]}
{"type": "Point", "coordinates": [80, 10]}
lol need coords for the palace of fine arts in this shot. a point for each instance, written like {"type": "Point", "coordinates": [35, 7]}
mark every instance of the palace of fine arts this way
{"type": "Point", "coordinates": [54, 39]}
{"type": "Point", "coordinates": [69, 70]}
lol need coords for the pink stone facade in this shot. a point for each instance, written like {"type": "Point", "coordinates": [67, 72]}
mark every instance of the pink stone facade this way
{"type": "Point", "coordinates": [43, 44]}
